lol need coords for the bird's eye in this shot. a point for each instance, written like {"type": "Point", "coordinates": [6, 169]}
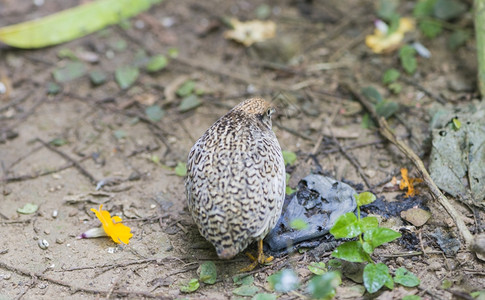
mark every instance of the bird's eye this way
{"type": "Point", "coordinates": [269, 112]}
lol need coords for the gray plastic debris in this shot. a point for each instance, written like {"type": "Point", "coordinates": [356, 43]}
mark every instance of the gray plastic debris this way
{"type": "Point", "coordinates": [319, 201]}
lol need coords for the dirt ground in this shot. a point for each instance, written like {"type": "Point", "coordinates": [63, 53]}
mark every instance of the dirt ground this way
{"type": "Point", "coordinates": [106, 135]}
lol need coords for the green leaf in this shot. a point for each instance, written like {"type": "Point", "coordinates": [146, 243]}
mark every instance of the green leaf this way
{"type": "Point", "coordinates": [289, 190]}
{"type": "Point", "coordinates": [458, 38]}
{"type": "Point", "coordinates": [154, 113]}
{"type": "Point", "coordinates": [181, 169]}
{"type": "Point", "coordinates": [118, 45]}
{"type": "Point", "coordinates": [71, 23]}
{"type": "Point", "coordinates": [67, 53]}
{"type": "Point", "coordinates": [189, 102]}
{"type": "Point", "coordinates": [456, 123]}
{"type": "Point", "coordinates": [367, 247]}
{"type": "Point", "coordinates": [430, 28]}
{"type": "Point", "coordinates": [119, 134]}
{"type": "Point", "coordinates": [29, 208]}
{"type": "Point", "coordinates": [298, 224]}
{"type": "Point", "coordinates": [334, 264]}
{"type": "Point", "coordinates": [406, 278]}
{"type": "Point", "coordinates": [375, 276]}
{"type": "Point", "coordinates": [245, 290]}
{"type": "Point", "coordinates": [423, 8]}
{"type": "Point", "coordinates": [70, 71]}
{"type": "Point", "coordinates": [186, 89]}
{"type": "Point", "coordinates": [386, 108]}
{"type": "Point", "coordinates": [156, 63]}
{"type": "Point", "coordinates": [448, 9]}
{"type": "Point", "coordinates": [53, 88]}
{"type": "Point", "coordinates": [243, 280]}
{"type": "Point", "coordinates": [395, 87]}
{"type": "Point", "coordinates": [394, 24]}
{"type": "Point", "coordinates": [207, 272]}
{"type": "Point", "coordinates": [283, 281]}
{"type": "Point", "coordinates": [390, 76]}
{"type": "Point", "coordinates": [126, 75]}
{"type": "Point", "coordinates": [289, 157]}
{"type": "Point", "coordinates": [372, 94]}
{"type": "Point", "coordinates": [317, 268]}
{"type": "Point", "coordinates": [58, 142]}
{"type": "Point", "coordinates": [173, 52]}
{"type": "Point", "coordinates": [323, 286]}
{"type": "Point", "coordinates": [411, 297]}
{"type": "Point", "coordinates": [367, 122]}
{"type": "Point", "coordinates": [446, 284]}
{"type": "Point", "coordinates": [365, 198]}
{"type": "Point", "coordinates": [97, 77]}
{"type": "Point", "coordinates": [191, 286]}
{"type": "Point", "coordinates": [386, 9]}
{"type": "Point", "coordinates": [264, 296]}
{"type": "Point", "coordinates": [407, 54]}
{"type": "Point", "coordinates": [346, 226]}
{"type": "Point", "coordinates": [368, 223]}
{"type": "Point", "coordinates": [351, 251]}
{"type": "Point", "coordinates": [380, 235]}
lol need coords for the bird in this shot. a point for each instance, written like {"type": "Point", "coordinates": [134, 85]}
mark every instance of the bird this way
{"type": "Point", "coordinates": [236, 179]}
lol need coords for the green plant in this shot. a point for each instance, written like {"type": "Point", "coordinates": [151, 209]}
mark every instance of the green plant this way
{"type": "Point", "coordinates": [370, 236]}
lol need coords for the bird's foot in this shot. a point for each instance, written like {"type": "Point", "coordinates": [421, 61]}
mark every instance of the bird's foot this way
{"type": "Point", "coordinates": [262, 259]}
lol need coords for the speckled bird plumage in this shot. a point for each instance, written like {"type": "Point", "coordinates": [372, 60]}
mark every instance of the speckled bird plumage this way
{"type": "Point", "coordinates": [236, 177]}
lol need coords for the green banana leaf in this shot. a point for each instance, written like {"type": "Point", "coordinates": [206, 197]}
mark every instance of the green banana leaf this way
{"type": "Point", "coordinates": [71, 23]}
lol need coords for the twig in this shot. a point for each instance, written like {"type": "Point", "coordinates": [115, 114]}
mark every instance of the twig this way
{"type": "Point", "coordinates": [16, 222]}
{"type": "Point", "coordinates": [121, 293]}
{"type": "Point", "coordinates": [16, 101]}
{"type": "Point", "coordinates": [352, 160]}
{"type": "Point", "coordinates": [388, 134]}
{"type": "Point", "coordinates": [68, 158]}
{"type": "Point", "coordinates": [294, 132]}
{"type": "Point", "coordinates": [424, 90]}
{"type": "Point", "coordinates": [39, 174]}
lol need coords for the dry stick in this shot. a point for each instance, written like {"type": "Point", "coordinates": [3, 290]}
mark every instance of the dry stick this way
{"type": "Point", "coordinates": [40, 174]}
{"type": "Point", "coordinates": [424, 90]}
{"type": "Point", "coordinates": [79, 289]}
{"type": "Point", "coordinates": [386, 131]}
{"type": "Point", "coordinates": [68, 158]}
{"type": "Point", "coordinates": [352, 160]}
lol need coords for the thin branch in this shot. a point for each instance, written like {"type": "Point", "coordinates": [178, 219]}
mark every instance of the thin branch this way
{"type": "Point", "coordinates": [386, 131]}
{"type": "Point", "coordinates": [68, 158]}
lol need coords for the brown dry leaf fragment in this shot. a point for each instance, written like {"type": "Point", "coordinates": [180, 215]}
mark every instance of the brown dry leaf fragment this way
{"type": "Point", "coordinates": [251, 32]}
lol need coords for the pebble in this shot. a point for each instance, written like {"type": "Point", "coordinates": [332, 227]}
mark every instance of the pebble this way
{"type": "Point", "coordinates": [43, 244]}
{"type": "Point", "coordinates": [400, 261]}
{"type": "Point", "coordinates": [6, 276]}
{"type": "Point", "coordinates": [54, 214]}
{"type": "Point", "coordinates": [59, 241]}
{"type": "Point", "coordinates": [47, 231]}
{"type": "Point", "coordinates": [435, 266]}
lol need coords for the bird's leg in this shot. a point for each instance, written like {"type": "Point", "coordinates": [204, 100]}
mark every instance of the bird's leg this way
{"type": "Point", "coordinates": [262, 259]}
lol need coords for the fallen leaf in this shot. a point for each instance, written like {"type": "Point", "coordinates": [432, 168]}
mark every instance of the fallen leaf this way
{"type": "Point", "coordinates": [416, 216]}
{"type": "Point", "coordinates": [251, 32]}
{"type": "Point", "coordinates": [71, 23]}
{"type": "Point", "coordinates": [28, 209]}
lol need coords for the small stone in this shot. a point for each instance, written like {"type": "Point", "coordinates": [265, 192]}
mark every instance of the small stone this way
{"type": "Point", "coordinates": [47, 231]}
{"type": "Point", "coordinates": [43, 244]}
{"type": "Point", "coordinates": [59, 241]}
{"type": "Point", "coordinates": [6, 276]}
{"type": "Point", "coordinates": [54, 214]}
{"type": "Point", "coordinates": [435, 265]}
{"type": "Point", "coordinates": [400, 261]}
{"type": "Point", "coordinates": [416, 216]}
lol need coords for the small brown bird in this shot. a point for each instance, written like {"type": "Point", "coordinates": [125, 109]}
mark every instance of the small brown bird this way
{"type": "Point", "coordinates": [235, 181]}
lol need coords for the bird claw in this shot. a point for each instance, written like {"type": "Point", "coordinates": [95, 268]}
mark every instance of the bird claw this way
{"type": "Point", "coordinates": [262, 259]}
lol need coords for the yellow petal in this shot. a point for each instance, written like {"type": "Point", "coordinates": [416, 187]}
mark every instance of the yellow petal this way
{"type": "Point", "coordinates": [251, 32]}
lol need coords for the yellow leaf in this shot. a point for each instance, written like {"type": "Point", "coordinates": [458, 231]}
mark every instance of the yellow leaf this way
{"type": "Point", "coordinates": [251, 32]}
{"type": "Point", "coordinates": [71, 23]}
